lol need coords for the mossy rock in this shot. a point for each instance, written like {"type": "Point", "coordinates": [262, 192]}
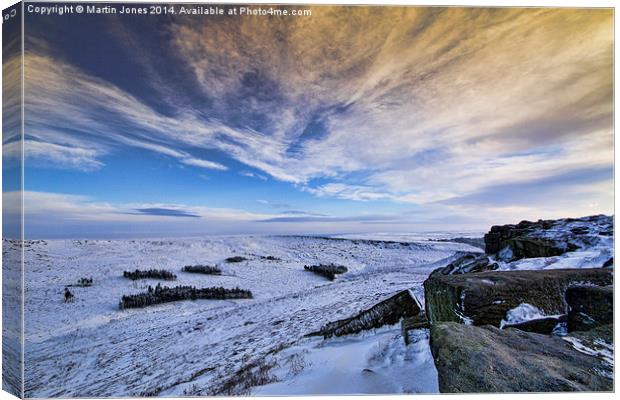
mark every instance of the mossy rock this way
{"type": "Point", "coordinates": [471, 359]}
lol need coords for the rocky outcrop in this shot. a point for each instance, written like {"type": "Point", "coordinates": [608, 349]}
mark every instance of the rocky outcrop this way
{"type": "Point", "coordinates": [484, 298]}
{"type": "Point", "coordinates": [473, 359]}
{"type": "Point", "coordinates": [469, 262]}
{"type": "Point", "coordinates": [589, 307]}
{"type": "Point", "coordinates": [388, 312]}
{"type": "Point", "coordinates": [546, 238]}
{"type": "Point", "coordinates": [500, 323]}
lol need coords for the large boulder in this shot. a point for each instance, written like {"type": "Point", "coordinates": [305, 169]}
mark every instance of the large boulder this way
{"type": "Point", "coordinates": [589, 307]}
{"type": "Point", "coordinates": [473, 359]}
{"type": "Point", "coordinates": [388, 312]}
{"type": "Point", "coordinates": [546, 238]}
{"type": "Point", "coordinates": [485, 298]}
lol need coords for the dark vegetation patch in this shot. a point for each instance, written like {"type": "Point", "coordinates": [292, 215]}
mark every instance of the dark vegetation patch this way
{"type": "Point", "coordinates": [187, 392]}
{"type": "Point", "coordinates": [235, 259]}
{"type": "Point", "coordinates": [151, 273]}
{"type": "Point", "coordinates": [69, 297]}
{"type": "Point", "coordinates": [255, 373]}
{"type": "Point", "coordinates": [202, 269]}
{"type": "Point", "coordinates": [270, 258]}
{"type": "Point", "coordinates": [83, 282]}
{"type": "Point", "coordinates": [164, 294]}
{"type": "Point", "coordinates": [327, 270]}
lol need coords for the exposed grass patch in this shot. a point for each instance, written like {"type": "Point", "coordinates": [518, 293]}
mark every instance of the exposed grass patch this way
{"type": "Point", "coordinates": [327, 270]}
{"type": "Point", "coordinates": [151, 273]}
{"type": "Point", "coordinates": [235, 259]}
{"type": "Point", "coordinates": [202, 269]}
{"type": "Point", "coordinates": [83, 282]}
{"type": "Point", "coordinates": [256, 373]}
{"type": "Point", "coordinates": [270, 258]}
{"type": "Point", "coordinates": [164, 294]}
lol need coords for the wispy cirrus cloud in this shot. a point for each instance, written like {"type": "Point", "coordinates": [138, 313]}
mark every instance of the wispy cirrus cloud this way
{"type": "Point", "coordinates": [431, 103]}
{"type": "Point", "coordinates": [54, 155]}
{"type": "Point", "coordinates": [70, 110]}
{"type": "Point", "coordinates": [431, 106]}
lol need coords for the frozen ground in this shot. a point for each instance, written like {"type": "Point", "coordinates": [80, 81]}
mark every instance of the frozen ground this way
{"type": "Point", "coordinates": [369, 363]}
{"type": "Point", "coordinates": [91, 349]}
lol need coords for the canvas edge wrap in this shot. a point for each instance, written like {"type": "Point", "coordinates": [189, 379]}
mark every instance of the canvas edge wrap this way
{"type": "Point", "coordinates": [12, 200]}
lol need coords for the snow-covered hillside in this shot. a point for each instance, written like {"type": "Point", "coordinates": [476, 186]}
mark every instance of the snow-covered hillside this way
{"type": "Point", "coordinates": [90, 348]}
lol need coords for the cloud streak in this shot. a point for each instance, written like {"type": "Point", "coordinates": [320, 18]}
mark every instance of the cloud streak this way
{"type": "Point", "coordinates": [166, 212]}
{"type": "Point", "coordinates": [428, 106]}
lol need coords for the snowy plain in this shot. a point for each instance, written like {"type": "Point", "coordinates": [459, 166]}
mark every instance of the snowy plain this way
{"type": "Point", "coordinates": [90, 348]}
{"type": "Point", "coordinates": [258, 346]}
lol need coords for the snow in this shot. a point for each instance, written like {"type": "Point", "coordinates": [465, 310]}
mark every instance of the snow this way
{"type": "Point", "coordinates": [600, 349]}
{"type": "Point", "coordinates": [11, 316]}
{"type": "Point", "coordinates": [561, 329]}
{"type": "Point", "coordinates": [594, 257]}
{"type": "Point", "coordinates": [91, 349]}
{"type": "Point", "coordinates": [505, 254]}
{"type": "Point", "coordinates": [376, 362]}
{"type": "Point", "coordinates": [522, 313]}
{"type": "Point", "coordinates": [412, 236]}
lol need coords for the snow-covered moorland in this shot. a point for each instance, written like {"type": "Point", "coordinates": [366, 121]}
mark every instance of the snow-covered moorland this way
{"type": "Point", "coordinates": [90, 348]}
{"type": "Point", "coordinates": [264, 342]}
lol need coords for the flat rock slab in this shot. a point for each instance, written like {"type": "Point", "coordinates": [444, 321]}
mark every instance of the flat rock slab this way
{"type": "Point", "coordinates": [539, 325]}
{"type": "Point", "coordinates": [472, 359]}
{"type": "Point", "coordinates": [484, 298]}
{"type": "Point", "coordinates": [387, 312]}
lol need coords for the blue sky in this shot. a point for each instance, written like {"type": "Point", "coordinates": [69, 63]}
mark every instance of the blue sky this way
{"type": "Point", "coordinates": [350, 120]}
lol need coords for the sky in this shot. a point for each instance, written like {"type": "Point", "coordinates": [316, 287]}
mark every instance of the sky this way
{"type": "Point", "coordinates": [353, 119]}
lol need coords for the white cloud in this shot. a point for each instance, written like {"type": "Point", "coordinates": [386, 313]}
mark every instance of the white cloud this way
{"type": "Point", "coordinates": [253, 175]}
{"type": "Point", "coordinates": [349, 192]}
{"type": "Point", "coordinates": [58, 156]}
{"type": "Point", "coordinates": [62, 100]}
{"type": "Point", "coordinates": [45, 206]}
{"type": "Point", "coordinates": [500, 95]}
{"type": "Point", "coordinates": [415, 105]}
{"type": "Point", "coordinates": [196, 162]}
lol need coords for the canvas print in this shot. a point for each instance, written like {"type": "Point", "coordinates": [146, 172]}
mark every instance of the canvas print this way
{"type": "Point", "coordinates": [252, 199]}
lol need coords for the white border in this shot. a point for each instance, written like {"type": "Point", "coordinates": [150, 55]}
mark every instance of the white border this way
{"type": "Point", "coordinates": [480, 3]}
